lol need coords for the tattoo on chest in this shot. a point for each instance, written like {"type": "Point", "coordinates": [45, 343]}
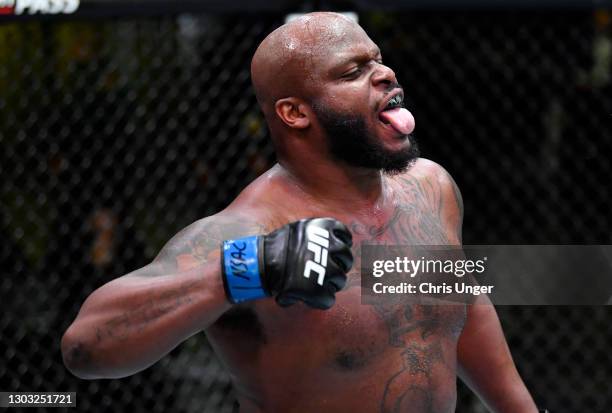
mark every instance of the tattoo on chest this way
{"type": "Point", "coordinates": [404, 319]}
{"type": "Point", "coordinates": [410, 389]}
{"type": "Point", "coordinates": [415, 330]}
{"type": "Point", "coordinates": [416, 218]}
{"type": "Point", "coordinates": [412, 383]}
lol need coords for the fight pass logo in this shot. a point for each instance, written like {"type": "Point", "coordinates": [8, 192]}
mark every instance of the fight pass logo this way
{"type": "Point", "coordinates": [19, 7]}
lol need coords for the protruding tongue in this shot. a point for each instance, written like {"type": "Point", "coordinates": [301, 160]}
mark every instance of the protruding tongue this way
{"type": "Point", "coordinates": [400, 118]}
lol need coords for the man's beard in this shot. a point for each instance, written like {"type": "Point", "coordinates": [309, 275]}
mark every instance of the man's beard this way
{"type": "Point", "coordinates": [350, 141]}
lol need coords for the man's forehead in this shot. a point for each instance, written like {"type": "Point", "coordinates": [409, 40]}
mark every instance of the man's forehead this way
{"type": "Point", "coordinates": [339, 37]}
{"type": "Point", "coordinates": [334, 50]}
{"type": "Point", "coordinates": [357, 51]}
{"type": "Point", "coordinates": [306, 48]}
{"type": "Point", "coordinates": [323, 24]}
{"type": "Point", "coordinates": [317, 32]}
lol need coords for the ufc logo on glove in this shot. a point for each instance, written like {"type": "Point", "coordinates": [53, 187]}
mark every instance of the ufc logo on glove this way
{"type": "Point", "coordinates": [281, 264]}
{"type": "Point", "coordinates": [318, 243]}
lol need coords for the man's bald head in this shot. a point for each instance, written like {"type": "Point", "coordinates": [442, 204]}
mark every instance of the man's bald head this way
{"type": "Point", "coordinates": [287, 62]}
{"type": "Point", "coordinates": [323, 88]}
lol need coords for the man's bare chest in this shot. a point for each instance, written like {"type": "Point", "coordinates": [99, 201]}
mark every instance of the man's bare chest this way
{"type": "Point", "coordinates": [349, 337]}
{"type": "Point", "coordinates": [407, 222]}
{"type": "Point", "coordinates": [352, 335]}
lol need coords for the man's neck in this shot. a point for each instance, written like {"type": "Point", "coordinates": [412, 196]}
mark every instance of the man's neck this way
{"type": "Point", "coordinates": [337, 184]}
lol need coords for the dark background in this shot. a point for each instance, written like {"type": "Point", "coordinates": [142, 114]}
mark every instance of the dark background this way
{"type": "Point", "coordinates": [121, 124]}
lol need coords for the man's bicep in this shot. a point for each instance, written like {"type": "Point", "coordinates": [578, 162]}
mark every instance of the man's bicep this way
{"type": "Point", "coordinates": [200, 242]}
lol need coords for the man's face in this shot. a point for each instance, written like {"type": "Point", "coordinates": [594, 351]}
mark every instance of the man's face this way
{"type": "Point", "coordinates": [352, 88]}
{"type": "Point", "coordinates": [351, 141]}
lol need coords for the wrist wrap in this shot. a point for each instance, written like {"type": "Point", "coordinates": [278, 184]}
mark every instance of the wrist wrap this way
{"type": "Point", "coordinates": [242, 269]}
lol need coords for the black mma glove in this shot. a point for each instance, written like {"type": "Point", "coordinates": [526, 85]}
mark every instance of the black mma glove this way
{"type": "Point", "coordinates": [306, 260]}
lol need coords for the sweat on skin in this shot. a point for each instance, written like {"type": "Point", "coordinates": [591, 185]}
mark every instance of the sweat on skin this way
{"type": "Point", "coordinates": [347, 358]}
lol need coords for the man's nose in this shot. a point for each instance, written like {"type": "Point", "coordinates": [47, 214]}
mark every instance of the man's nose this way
{"type": "Point", "coordinates": [383, 75]}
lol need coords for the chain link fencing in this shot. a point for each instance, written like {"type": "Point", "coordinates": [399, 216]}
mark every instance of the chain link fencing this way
{"type": "Point", "coordinates": [116, 133]}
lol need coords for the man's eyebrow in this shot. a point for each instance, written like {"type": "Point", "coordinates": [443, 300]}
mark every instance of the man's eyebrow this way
{"type": "Point", "coordinates": [361, 57]}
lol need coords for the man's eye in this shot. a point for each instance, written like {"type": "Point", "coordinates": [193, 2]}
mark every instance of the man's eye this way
{"type": "Point", "coordinates": [352, 74]}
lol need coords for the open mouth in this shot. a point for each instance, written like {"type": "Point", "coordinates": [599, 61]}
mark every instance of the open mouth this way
{"type": "Point", "coordinates": [394, 115]}
{"type": "Point", "coordinates": [395, 102]}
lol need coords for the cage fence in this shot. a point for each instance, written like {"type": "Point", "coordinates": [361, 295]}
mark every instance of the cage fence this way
{"type": "Point", "coordinates": [116, 133]}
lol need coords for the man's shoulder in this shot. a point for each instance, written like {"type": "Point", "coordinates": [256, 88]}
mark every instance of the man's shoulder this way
{"type": "Point", "coordinates": [251, 213]}
{"type": "Point", "coordinates": [431, 181]}
{"type": "Point", "coordinates": [265, 199]}
{"type": "Point", "coordinates": [258, 195]}
{"type": "Point", "coordinates": [427, 171]}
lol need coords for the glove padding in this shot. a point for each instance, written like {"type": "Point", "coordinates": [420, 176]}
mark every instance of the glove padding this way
{"type": "Point", "coordinates": [306, 260]}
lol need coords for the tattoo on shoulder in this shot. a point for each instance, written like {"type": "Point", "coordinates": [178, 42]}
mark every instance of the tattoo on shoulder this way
{"type": "Point", "coordinates": [420, 209]}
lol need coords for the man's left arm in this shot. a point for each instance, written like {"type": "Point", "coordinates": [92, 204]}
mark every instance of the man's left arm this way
{"type": "Point", "coordinates": [484, 360]}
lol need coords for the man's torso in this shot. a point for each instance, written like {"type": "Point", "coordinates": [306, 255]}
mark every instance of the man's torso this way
{"type": "Point", "coordinates": [393, 357]}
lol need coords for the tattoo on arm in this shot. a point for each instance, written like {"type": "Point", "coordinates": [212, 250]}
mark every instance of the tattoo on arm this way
{"type": "Point", "coordinates": [201, 242]}
{"type": "Point", "coordinates": [139, 318]}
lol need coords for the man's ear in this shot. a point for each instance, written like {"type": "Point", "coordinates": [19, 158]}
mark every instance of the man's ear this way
{"type": "Point", "coordinates": [293, 112]}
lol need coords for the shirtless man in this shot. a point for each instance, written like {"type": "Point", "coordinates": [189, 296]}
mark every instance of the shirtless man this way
{"type": "Point", "coordinates": [298, 344]}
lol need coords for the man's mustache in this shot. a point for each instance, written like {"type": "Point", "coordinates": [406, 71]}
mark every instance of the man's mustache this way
{"type": "Point", "coordinates": [392, 86]}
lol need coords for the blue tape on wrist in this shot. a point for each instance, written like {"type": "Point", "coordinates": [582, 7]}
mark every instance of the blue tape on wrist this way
{"type": "Point", "coordinates": [241, 276]}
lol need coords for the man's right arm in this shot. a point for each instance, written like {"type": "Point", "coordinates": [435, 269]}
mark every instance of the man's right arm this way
{"type": "Point", "coordinates": [131, 322]}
